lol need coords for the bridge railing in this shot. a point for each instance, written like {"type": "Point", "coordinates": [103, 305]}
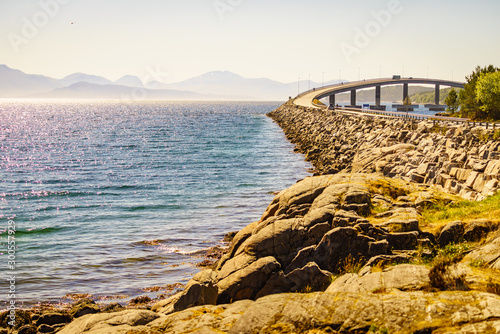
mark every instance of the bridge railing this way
{"type": "Point", "coordinates": [418, 117]}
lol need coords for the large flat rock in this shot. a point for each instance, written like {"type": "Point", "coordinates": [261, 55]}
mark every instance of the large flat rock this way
{"type": "Point", "coordinates": [404, 277]}
{"type": "Point", "coordinates": [320, 312]}
{"type": "Point", "coordinates": [349, 312]}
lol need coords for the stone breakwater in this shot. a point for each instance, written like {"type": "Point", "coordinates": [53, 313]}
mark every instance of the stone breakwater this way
{"type": "Point", "coordinates": [460, 159]}
{"type": "Point", "coordinates": [334, 253]}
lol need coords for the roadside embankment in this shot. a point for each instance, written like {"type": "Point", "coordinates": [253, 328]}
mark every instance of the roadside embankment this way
{"type": "Point", "coordinates": [462, 160]}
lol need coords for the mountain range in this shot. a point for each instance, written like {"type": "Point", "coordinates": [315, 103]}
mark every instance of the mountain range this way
{"type": "Point", "coordinates": [218, 85]}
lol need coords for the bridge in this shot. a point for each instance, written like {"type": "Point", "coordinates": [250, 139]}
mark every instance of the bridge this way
{"type": "Point", "coordinates": [307, 98]}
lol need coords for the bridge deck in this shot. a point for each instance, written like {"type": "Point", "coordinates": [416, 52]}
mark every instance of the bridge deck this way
{"type": "Point", "coordinates": [306, 98]}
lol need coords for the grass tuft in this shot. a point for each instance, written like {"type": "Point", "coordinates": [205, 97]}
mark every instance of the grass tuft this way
{"type": "Point", "coordinates": [496, 135]}
{"type": "Point", "coordinates": [352, 265]}
{"type": "Point", "coordinates": [392, 188]}
{"type": "Point", "coordinates": [478, 263]}
{"type": "Point", "coordinates": [440, 214]}
{"type": "Point", "coordinates": [454, 252]}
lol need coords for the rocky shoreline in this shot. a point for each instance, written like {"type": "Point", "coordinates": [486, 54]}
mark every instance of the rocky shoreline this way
{"type": "Point", "coordinates": [343, 251]}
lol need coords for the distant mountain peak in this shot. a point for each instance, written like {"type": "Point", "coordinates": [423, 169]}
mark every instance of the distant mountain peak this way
{"type": "Point", "coordinates": [16, 83]}
{"type": "Point", "coordinates": [74, 74]}
{"type": "Point", "coordinates": [4, 67]}
{"type": "Point", "coordinates": [232, 84]}
{"type": "Point", "coordinates": [215, 77]}
{"type": "Point", "coordinates": [221, 75]}
{"type": "Point", "coordinates": [83, 77]}
{"type": "Point", "coordinates": [80, 74]}
{"type": "Point", "coordinates": [130, 81]}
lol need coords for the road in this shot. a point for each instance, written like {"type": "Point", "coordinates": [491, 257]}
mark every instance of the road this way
{"type": "Point", "coordinates": [305, 99]}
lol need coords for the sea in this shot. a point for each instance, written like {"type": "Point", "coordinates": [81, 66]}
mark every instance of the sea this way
{"type": "Point", "coordinates": [118, 199]}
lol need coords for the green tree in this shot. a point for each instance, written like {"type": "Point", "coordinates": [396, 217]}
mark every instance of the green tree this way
{"type": "Point", "coordinates": [488, 94]}
{"type": "Point", "coordinates": [452, 101]}
{"type": "Point", "coordinates": [469, 105]}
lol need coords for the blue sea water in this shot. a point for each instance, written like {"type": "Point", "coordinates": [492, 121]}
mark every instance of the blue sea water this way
{"type": "Point", "coordinates": [112, 198]}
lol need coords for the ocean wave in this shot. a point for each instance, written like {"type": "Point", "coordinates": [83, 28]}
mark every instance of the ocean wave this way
{"type": "Point", "coordinates": [36, 230]}
{"type": "Point", "coordinates": [176, 250]}
{"type": "Point", "coordinates": [119, 187]}
{"type": "Point", "coordinates": [45, 194]}
{"type": "Point", "coordinates": [124, 146]}
{"type": "Point", "coordinates": [165, 246]}
{"type": "Point", "coordinates": [155, 207]}
{"type": "Point", "coordinates": [149, 242]}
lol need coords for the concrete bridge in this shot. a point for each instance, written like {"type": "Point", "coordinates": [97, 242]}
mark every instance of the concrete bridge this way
{"type": "Point", "coordinates": [306, 98]}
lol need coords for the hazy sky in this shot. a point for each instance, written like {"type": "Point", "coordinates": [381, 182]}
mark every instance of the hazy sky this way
{"type": "Point", "coordinates": [279, 39]}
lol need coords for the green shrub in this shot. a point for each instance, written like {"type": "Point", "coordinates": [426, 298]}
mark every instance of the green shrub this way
{"type": "Point", "coordinates": [478, 263]}
{"type": "Point", "coordinates": [496, 135]}
{"type": "Point", "coordinates": [454, 252]}
{"type": "Point", "coordinates": [483, 136]}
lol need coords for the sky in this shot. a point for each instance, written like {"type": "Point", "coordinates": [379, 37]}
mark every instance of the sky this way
{"type": "Point", "coordinates": [173, 40]}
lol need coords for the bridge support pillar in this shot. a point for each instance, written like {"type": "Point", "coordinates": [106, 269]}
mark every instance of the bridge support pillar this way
{"type": "Point", "coordinates": [332, 100]}
{"type": "Point", "coordinates": [436, 94]}
{"type": "Point", "coordinates": [353, 98]}
{"type": "Point", "coordinates": [405, 91]}
{"type": "Point", "coordinates": [377, 95]}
